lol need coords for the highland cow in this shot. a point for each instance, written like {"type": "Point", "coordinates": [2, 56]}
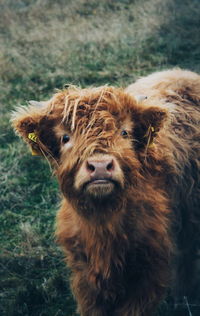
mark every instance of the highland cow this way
{"type": "Point", "coordinates": [128, 165]}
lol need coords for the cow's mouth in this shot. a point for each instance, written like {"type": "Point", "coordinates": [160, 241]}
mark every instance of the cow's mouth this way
{"type": "Point", "coordinates": [100, 187]}
{"type": "Point", "coordinates": [99, 181]}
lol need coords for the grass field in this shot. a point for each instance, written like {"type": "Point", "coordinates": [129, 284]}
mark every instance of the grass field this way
{"type": "Point", "coordinates": [44, 45]}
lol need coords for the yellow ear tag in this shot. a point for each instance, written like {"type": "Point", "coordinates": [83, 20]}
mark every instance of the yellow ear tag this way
{"type": "Point", "coordinates": [150, 134]}
{"type": "Point", "coordinates": [33, 137]}
{"type": "Point", "coordinates": [152, 129]}
{"type": "Point", "coordinates": [151, 143]}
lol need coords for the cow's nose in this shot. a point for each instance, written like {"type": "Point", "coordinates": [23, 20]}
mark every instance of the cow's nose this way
{"type": "Point", "coordinates": [100, 169]}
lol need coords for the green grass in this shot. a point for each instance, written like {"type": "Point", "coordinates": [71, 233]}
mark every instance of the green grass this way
{"type": "Point", "coordinates": [45, 44]}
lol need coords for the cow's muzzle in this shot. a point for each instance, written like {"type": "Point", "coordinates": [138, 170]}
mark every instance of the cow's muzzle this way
{"type": "Point", "coordinates": [101, 169]}
{"type": "Point", "coordinates": [99, 175]}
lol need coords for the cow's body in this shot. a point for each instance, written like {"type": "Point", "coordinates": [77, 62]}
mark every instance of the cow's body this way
{"type": "Point", "coordinates": [129, 173]}
{"type": "Point", "coordinates": [179, 92]}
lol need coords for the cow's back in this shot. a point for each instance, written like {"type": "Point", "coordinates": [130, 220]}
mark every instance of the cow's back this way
{"type": "Point", "coordinates": [178, 91]}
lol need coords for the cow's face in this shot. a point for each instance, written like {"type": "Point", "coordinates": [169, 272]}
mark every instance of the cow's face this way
{"type": "Point", "coordinates": [94, 138]}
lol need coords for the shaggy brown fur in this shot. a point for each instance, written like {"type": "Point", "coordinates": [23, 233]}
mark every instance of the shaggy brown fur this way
{"type": "Point", "coordinates": [129, 174]}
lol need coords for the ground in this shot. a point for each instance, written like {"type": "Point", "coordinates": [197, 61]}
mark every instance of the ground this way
{"type": "Point", "coordinates": [44, 45]}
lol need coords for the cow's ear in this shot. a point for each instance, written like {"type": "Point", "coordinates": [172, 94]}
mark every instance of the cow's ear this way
{"type": "Point", "coordinates": [25, 121]}
{"type": "Point", "coordinates": [148, 120]}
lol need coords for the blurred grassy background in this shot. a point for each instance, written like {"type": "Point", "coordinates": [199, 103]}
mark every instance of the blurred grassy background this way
{"type": "Point", "coordinates": [43, 45]}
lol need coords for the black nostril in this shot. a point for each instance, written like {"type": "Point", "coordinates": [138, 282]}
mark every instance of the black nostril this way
{"type": "Point", "coordinates": [100, 168]}
{"type": "Point", "coordinates": [90, 167]}
{"type": "Point", "coordinates": [110, 166]}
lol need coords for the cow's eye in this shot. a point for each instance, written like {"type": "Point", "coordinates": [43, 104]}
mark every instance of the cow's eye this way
{"type": "Point", "coordinates": [65, 139]}
{"type": "Point", "coordinates": [124, 133]}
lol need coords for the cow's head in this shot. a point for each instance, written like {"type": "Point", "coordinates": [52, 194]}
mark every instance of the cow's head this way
{"type": "Point", "coordinates": [94, 138]}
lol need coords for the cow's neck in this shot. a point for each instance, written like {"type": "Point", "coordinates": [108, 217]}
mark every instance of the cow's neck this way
{"type": "Point", "coordinates": [105, 243]}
